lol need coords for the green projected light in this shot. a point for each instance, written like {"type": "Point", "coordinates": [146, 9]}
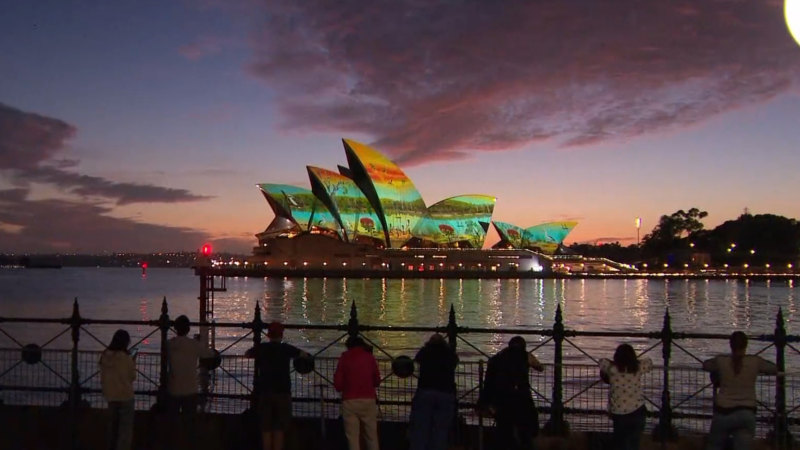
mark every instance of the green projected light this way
{"type": "Point", "coordinates": [372, 201]}
{"type": "Point", "coordinates": [299, 205]}
{"type": "Point", "coordinates": [512, 234]}
{"type": "Point", "coordinates": [544, 238]}
{"type": "Point", "coordinates": [348, 204]}
{"type": "Point", "coordinates": [464, 218]}
{"type": "Point", "coordinates": [391, 193]}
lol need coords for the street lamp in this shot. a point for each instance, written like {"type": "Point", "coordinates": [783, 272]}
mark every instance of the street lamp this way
{"type": "Point", "coordinates": [638, 226]}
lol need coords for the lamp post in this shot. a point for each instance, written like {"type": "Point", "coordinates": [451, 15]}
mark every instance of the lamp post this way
{"type": "Point", "coordinates": [638, 226]}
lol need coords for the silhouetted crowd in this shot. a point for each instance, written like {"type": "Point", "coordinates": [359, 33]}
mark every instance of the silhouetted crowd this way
{"type": "Point", "coordinates": [505, 394]}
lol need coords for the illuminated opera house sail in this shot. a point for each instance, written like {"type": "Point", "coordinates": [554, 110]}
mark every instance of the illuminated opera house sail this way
{"type": "Point", "coordinates": [372, 204]}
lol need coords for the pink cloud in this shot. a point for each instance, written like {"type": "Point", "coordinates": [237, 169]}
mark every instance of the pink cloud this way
{"type": "Point", "coordinates": [436, 80]}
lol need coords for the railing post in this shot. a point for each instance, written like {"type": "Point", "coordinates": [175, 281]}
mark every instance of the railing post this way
{"type": "Point", "coordinates": [75, 381]}
{"type": "Point", "coordinates": [75, 386]}
{"type": "Point", "coordinates": [258, 327]}
{"type": "Point", "coordinates": [452, 328]}
{"type": "Point", "coordinates": [352, 324]}
{"type": "Point", "coordinates": [557, 426]}
{"type": "Point", "coordinates": [163, 378]}
{"type": "Point", "coordinates": [665, 431]}
{"type": "Point", "coordinates": [780, 434]}
{"type": "Point", "coordinates": [480, 412]}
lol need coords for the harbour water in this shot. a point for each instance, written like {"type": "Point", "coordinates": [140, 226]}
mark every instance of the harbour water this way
{"type": "Point", "coordinates": [700, 306]}
{"type": "Point", "coordinates": [708, 306]}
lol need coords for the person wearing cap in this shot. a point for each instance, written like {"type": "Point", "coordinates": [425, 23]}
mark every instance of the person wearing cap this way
{"type": "Point", "coordinates": [273, 385]}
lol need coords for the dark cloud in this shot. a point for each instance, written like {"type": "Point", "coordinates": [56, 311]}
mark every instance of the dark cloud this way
{"type": "Point", "coordinates": [29, 144]}
{"type": "Point", "coordinates": [123, 193]}
{"type": "Point", "coordinates": [39, 226]}
{"type": "Point", "coordinates": [58, 225]}
{"type": "Point", "coordinates": [28, 139]}
{"type": "Point", "coordinates": [436, 79]}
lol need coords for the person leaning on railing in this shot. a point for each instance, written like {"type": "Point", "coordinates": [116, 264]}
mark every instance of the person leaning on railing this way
{"type": "Point", "coordinates": [434, 404]}
{"type": "Point", "coordinates": [356, 377]}
{"type": "Point", "coordinates": [625, 397]}
{"type": "Point", "coordinates": [506, 395]}
{"type": "Point", "coordinates": [274, 385]}
{"type": "Point", "coordinates": [117, 373]}
{"type": "Point", "coordinates": [735, 403]}
{"type": "Point", "coordinates": [183, 356]}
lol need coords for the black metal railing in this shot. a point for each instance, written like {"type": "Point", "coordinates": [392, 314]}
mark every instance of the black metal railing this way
{"type": "Point", "coordinates": [569, 394]}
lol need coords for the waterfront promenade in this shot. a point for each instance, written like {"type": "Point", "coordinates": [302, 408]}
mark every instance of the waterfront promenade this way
{"type": "Point", "coordinates": [41, 383]}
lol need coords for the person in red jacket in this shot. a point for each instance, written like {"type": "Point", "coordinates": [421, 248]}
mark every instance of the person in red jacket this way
{"type": "Point", "coordinates": [356, 378]}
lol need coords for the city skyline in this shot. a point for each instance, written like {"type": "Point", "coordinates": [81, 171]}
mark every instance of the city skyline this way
{"type": "Point", "coordinates": [145, 126]}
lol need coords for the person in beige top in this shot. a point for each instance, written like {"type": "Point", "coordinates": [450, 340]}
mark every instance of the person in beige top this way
{"type": "Point", "coordinates": [183, 356]}
{"type": "Point", "coordinates": [735, 404]}
{"type": "Point", "coordinates": [117, 373]}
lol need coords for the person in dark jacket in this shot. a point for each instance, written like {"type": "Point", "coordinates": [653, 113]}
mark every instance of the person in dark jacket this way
{"type": "Point", "coordinates": [434, 404]}
{"type": "Point", "coordinates": [507, 395]}
{"type": "Point", "coordinates": [274, 385]}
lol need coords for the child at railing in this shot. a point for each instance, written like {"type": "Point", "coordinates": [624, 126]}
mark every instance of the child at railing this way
{"type": "Point", "coordinates": [625, 398]}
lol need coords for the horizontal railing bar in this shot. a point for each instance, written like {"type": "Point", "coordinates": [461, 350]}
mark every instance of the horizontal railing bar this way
{"type": "Point", "coordinates": [389, 328]}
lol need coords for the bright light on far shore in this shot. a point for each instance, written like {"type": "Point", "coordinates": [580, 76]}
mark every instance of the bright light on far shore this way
{"type": "Point", "coordinates": [792, 12]}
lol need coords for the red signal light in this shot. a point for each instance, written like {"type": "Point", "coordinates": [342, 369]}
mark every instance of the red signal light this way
{"type": "Point", "coordinates": [206, 250]}
{"type": "Point", "coordinates": [144, 265]}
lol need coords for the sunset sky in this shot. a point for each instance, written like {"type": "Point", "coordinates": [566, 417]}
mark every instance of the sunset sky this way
{"type": "Point", "coordinates": [145, 125]}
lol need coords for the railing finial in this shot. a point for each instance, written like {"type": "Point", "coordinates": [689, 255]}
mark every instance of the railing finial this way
{"type": "Point", "coordinates": [452, 327]}
{"type": "Point", "coordinates": [352, 325]}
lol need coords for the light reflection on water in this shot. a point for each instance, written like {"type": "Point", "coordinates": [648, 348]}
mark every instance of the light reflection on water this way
{"type": "Point", "coordinates": [715, 306]}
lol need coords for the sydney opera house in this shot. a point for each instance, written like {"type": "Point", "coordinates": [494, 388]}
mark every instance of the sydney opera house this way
{"type": "Point", "coordinates": [369, 216]}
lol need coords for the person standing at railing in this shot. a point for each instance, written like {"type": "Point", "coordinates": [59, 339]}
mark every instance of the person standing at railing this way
{"type": "Point", "coordinates": [356, 377]}
{"type": "Point", "coordinates": [117, 373]}
{"type": "Point", "coordinates": [735, 403]}
{"type": "Point", "coordinates": [434, 404]}
{"type": "Point", "coordinates": [625, 397]}
{"type": "Point", "coordinates": [274, 386]}
{"type": "Point", "coordinates": [507, 395]}
{"type": "Point", "coordinates": [183, 356]}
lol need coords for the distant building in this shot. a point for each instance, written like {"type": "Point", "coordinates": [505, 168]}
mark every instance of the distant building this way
{"type": "Point", "coordinates": [370, 214]}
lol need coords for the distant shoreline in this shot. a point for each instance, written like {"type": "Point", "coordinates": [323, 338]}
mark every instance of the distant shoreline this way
{"type": "Point", "coordinates": [464, 274]}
